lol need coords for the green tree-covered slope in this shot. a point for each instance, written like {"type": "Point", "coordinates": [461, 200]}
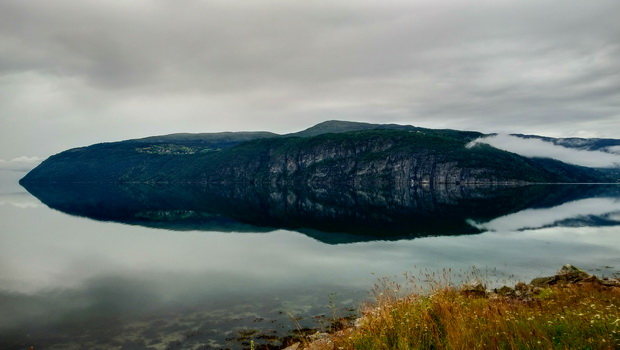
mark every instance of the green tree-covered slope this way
{"type": "Point", "coordinates": [332, 153]}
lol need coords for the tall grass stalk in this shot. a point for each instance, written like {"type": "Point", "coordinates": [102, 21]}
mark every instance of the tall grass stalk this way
{"type": "Point", "coordinates": [440, 315]}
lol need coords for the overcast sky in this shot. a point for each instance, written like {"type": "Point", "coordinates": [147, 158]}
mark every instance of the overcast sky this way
{"type": "Point", "coordinates": [73, 73]}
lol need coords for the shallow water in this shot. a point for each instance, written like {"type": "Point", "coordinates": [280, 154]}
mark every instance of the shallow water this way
{"type": "Point", "coordinates": [197, 268]}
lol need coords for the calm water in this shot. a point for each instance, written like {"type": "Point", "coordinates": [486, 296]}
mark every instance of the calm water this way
{"type": "Point", "coordinates": [194, 267]}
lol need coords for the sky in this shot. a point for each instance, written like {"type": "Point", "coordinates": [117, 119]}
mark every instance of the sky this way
{"type": "Point", "coordinates": [74, 73]}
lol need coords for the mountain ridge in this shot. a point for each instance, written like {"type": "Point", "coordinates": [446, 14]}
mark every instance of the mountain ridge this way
{"type": "Point", "coordinates": [352, 153]}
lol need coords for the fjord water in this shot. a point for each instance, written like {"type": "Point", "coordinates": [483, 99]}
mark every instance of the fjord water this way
{"type": "Point", "coordinates": [154, 266]}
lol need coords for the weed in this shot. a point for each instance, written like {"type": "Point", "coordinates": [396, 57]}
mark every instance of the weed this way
{"type": "Point", "coordinates": [439, 315]}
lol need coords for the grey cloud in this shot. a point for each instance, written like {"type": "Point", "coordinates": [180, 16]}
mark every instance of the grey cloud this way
{"type": "Point", "coordinates": [215, 43]}
{"type": "Point", "coordinates": [20, 164]}
{"type": "Point", "coordinates": [514, 66]}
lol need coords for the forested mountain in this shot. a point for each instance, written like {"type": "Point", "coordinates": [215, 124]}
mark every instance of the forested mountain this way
{"type": "Point", "coordinates": [356, 154]}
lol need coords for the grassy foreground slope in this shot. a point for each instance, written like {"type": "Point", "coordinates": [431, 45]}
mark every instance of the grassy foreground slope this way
{"type": "Point", "coordinates": [571, 310]}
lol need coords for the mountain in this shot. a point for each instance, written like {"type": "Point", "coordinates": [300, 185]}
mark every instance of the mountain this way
{"type": "Point", "coordinates": [339, 126]}
{"type": "Point", "coordinates": [333, 153]}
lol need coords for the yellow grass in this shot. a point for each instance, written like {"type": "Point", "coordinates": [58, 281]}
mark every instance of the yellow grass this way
{"type": "Point", "coordinates": [572, 316]}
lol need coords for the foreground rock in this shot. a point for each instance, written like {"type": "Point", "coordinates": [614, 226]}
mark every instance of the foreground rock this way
{"type": "Point", "coordinates": [568, 274]}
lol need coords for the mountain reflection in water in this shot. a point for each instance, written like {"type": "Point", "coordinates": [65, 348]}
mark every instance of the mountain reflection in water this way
{"type": "Point", "coordinates": [329, 214]}
{"type": "Point", "coordinates": [237, 272]}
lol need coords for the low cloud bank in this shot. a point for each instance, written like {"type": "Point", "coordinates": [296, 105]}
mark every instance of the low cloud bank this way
{"type": "Point", "coordinates": [538, 148]}
{"type": "Point", "coordinates": [20, 164]}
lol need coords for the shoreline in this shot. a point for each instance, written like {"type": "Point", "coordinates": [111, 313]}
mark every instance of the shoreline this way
{"type": "Point", "coordinates": [567, 278]}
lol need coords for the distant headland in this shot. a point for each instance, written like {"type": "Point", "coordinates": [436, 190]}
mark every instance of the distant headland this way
{"type": "Point", "coordinates": [330, 153]}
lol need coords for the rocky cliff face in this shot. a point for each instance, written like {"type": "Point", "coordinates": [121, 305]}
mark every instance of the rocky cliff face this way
{"type": "Point", "coordinates": [386, 162]}
{"type": "Point", "coordinates": [383, 158]}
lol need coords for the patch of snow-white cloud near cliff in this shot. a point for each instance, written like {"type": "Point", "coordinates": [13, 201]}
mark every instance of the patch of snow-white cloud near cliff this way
{"type": "Point", "coordinates": [534, 148]}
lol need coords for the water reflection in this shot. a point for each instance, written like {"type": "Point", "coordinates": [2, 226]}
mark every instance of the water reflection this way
{"type": "Point", "coordinates": [584, 212]}
{"type": "Point", "coordinates": [331, 215]}
{"type": "Point", "coordinates": [19, 200]}
{"type": "Point", "coordinates": [84, 281]}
